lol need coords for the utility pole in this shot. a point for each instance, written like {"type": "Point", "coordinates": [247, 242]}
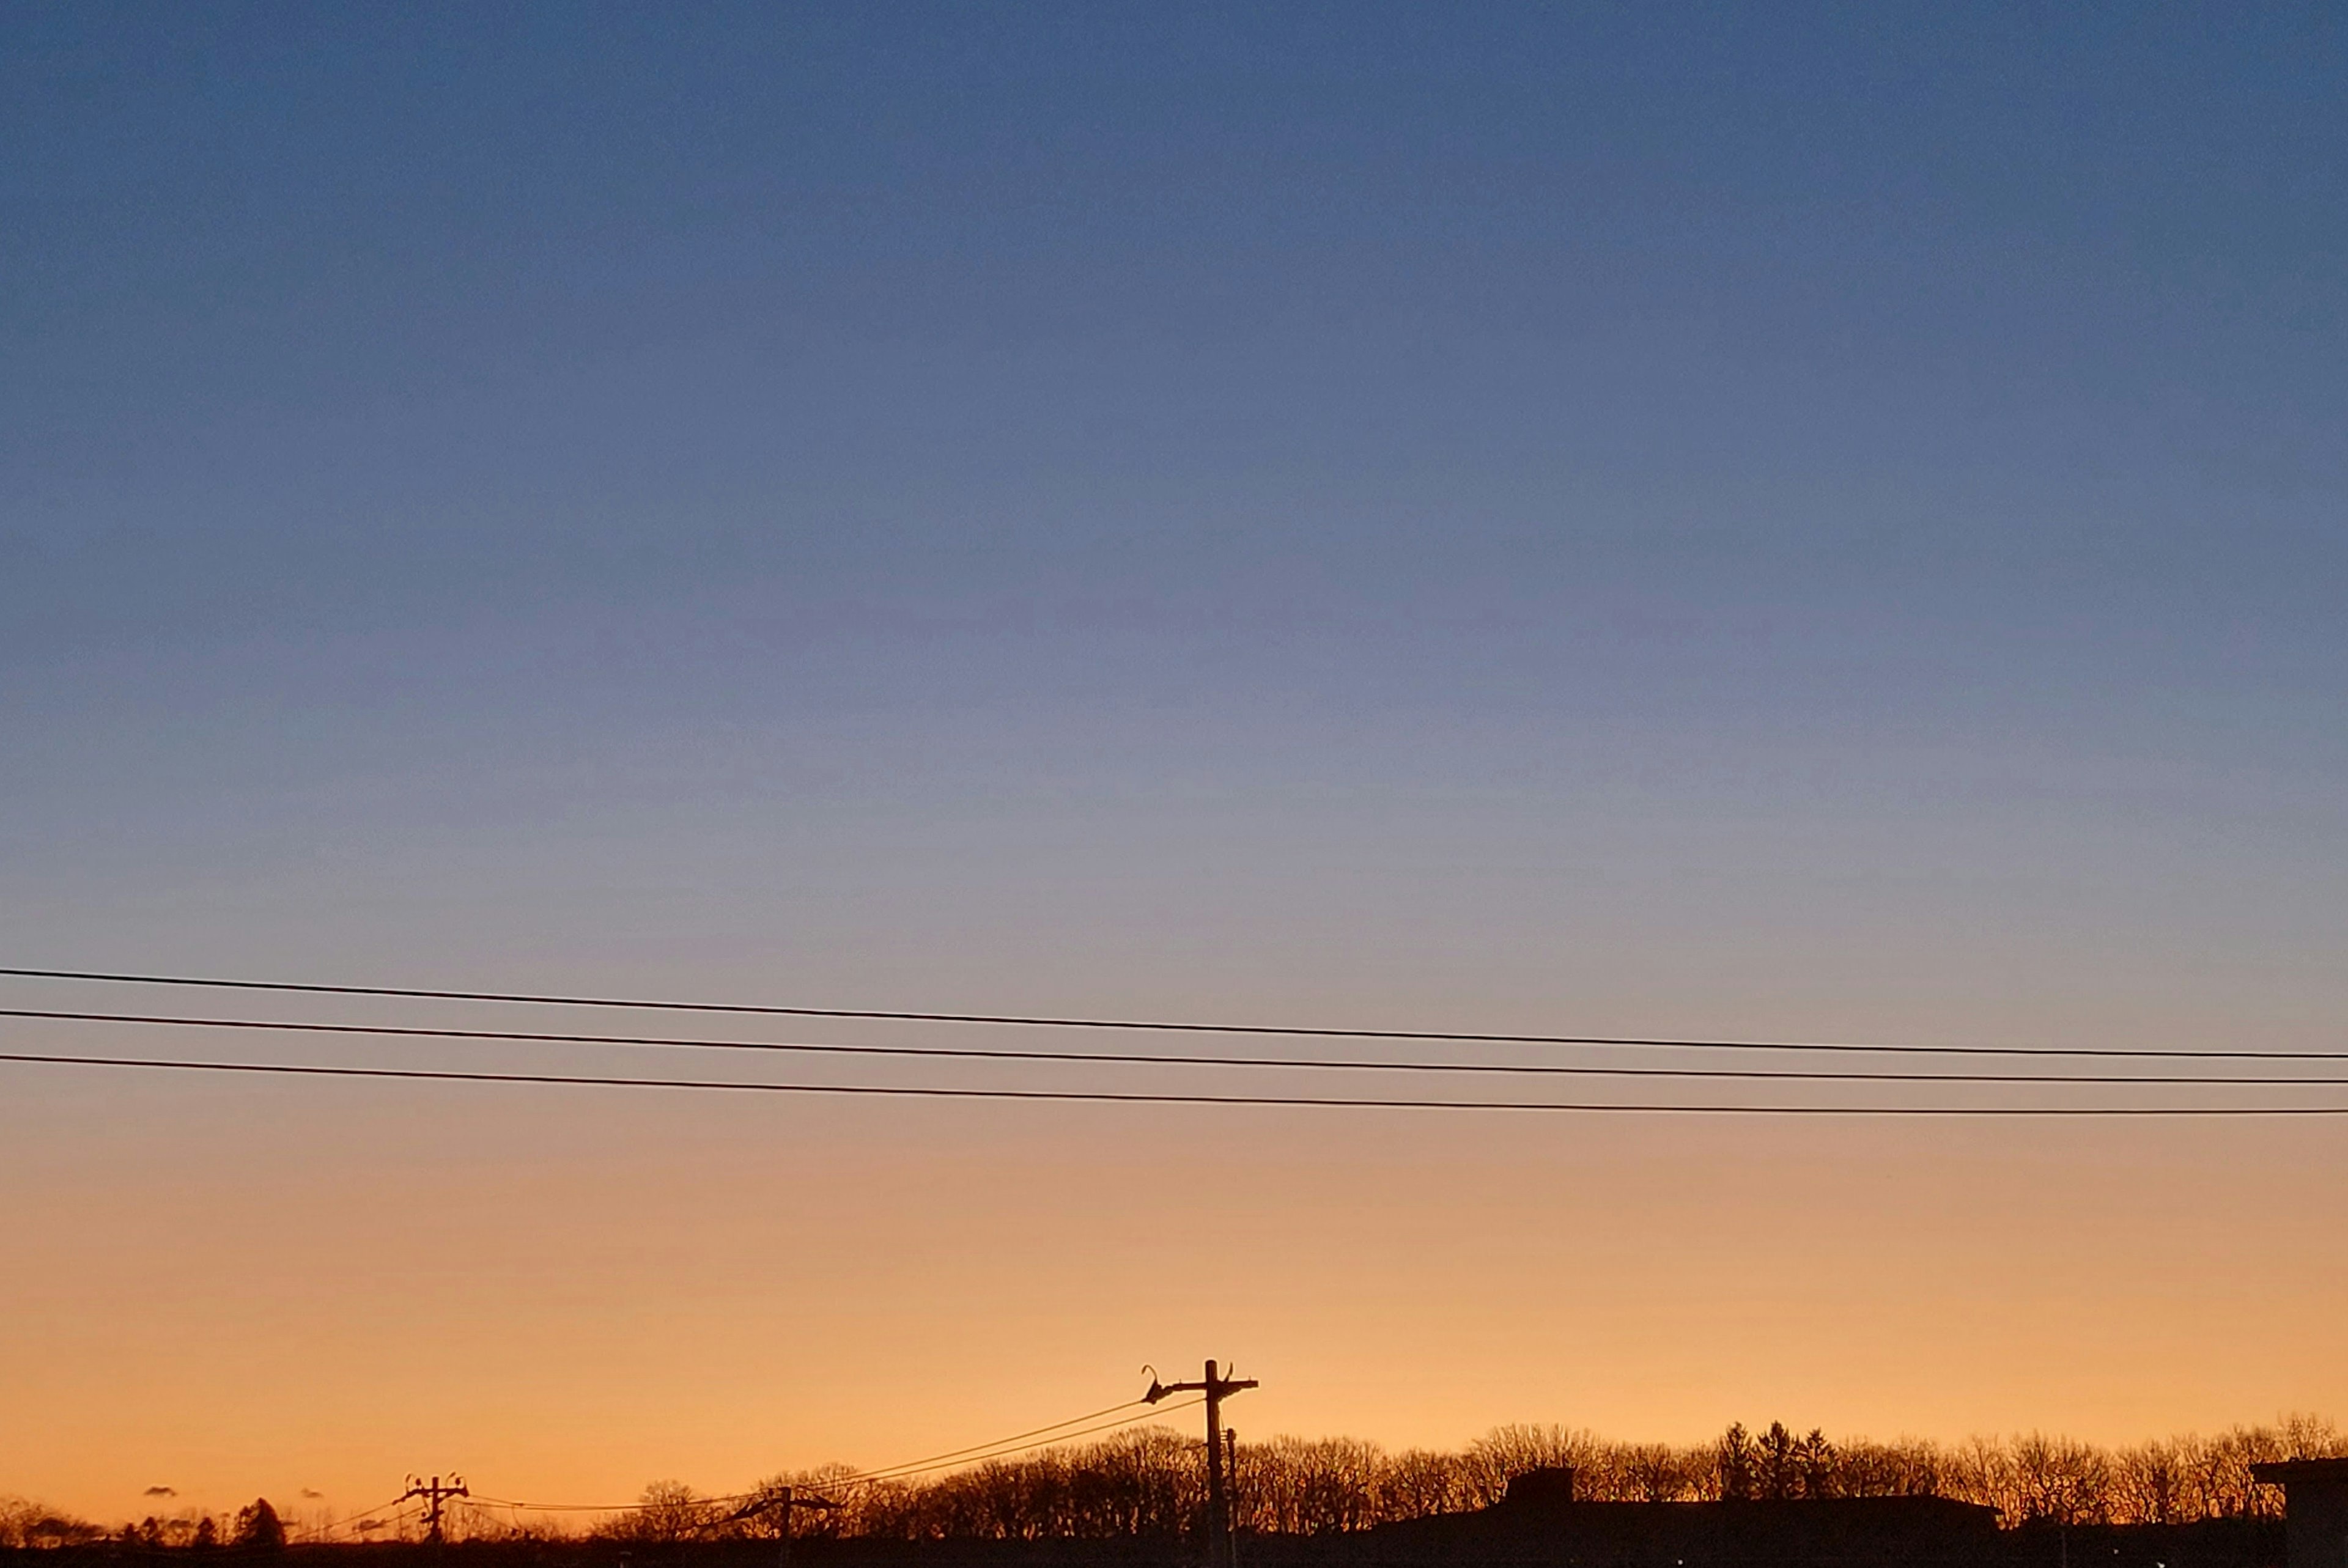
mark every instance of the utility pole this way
{"type": "Point", "coordinates": [1232, 1487]}
{"type": "Point", "coordinates": [781, 1502]}
{"type": "Point", "coordinates": [1216, 1388]}
{"type": "Point", "coordinates": [436, 1496]}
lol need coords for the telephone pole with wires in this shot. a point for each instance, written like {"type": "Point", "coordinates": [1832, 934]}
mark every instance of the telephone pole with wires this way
{"type": "Point", "coordinates": [782, 1502]}
{"type": "Point", "coordinates": [435, 1498]}
{"type": "Point", "coordinates": [1216, 1388]}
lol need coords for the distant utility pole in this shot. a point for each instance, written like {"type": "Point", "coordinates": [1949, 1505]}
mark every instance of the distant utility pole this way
{"type": "Point", "coordinates": [436, 1496]}
{"type": "Point", "coordinates": [1218, 1518]}
{"type": "Point", "coordinates": [780, 1503]}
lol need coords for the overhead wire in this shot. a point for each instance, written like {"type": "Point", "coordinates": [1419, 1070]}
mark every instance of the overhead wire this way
{"type": "Point", "coordinates": [976, 1454]}
{"type": "Point", "coordinates": [314, 1531]}
{"type": "Point", "coordinates": [995, 1451]}
{"type": "Point", "coordinates": [1141, 1097]}
{"type": "Point", "coordinates": [1157, 1025]}
{"type": "Point", "coordinates": [1125, 1424]}
{"type": "Point", "coordinates": [1147, 1058]}
{"type": "Point", "coordinates": [598, 1507]}
{"type": "Point", "coordinates": [1016, 1437]}
{"type": "Point", "coordinates": [512, 1516]}
{"type": "Point", "coordinates": [395, 1510]}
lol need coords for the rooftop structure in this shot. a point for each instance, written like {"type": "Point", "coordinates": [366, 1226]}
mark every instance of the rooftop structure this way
{"type": "Point", "coordinates": [1540, 1524]}
{"type": "Point", "coordinates": [2316, 1509]}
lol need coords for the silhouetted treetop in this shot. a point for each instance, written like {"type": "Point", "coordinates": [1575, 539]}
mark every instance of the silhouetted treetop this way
{"type": "Point", "coordinates": [258, 1528]}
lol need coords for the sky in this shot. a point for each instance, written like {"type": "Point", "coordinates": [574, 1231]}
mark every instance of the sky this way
{"type": "Point", "coordinates": [1750, 521]}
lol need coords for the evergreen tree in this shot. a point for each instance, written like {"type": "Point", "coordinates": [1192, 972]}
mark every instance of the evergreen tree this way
{"type": "Point", "coordinates": [258, 1528]}
{"type": "Point", "coordinates": [1777, 1462]}
{"type": "Point", "coordinates": [1735, 1463]}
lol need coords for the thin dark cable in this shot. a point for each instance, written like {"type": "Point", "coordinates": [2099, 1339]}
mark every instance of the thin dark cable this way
{"type": "Point", "coordinates": [982, 1452]}
{"type": "Point", "coordinates": [976, 1448]}
{"type": "Point", "coordinates": [1301, 1031]}
{"type": "Point", "coordinates": [605, 1507]}
{"type": "Point", "coordinates": [318, 1530]}
{"type": "Point", "coordinates": [399, 1514]}
{"type": "Point", "coordinates": [1121, 1059]}
{"type": "Point", "coordinates": [1107, 1097]}
{"type": "Point", "coordinates": [601, 1507]}
{"type": "Point", "coordinates": [977, 1454]}
{"type": "Point", "coordinates": [512, 1516]}
{"type": "Point", "coordinates": [903, 1472]}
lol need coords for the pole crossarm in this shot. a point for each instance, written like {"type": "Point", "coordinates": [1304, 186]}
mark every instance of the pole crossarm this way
{"type": "Point", "coordinates": [1217, 1388]}
{"type": "Point", "coordinates": [435, 1498]}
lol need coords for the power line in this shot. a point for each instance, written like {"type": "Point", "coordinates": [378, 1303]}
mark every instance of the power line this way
{"type": "Point", "coordinates": [598, 1507]}
{"type": "Point", "coordinates": [1114, 1058]}
{"type": "Point", "coordinates": [398, 1518]}
{"type": "Point", "coordinates": [396, 1504]}
{"type": "Point", "coordinates": [1110, 1097]}
{"type": "Point", "coordinates": [977, 1454]}
{"type": "Point", "coordinates": [977, 1447]}
{"type": "Point", "coordinates": [1158, 1025]}
{"type": "Point", "coordinates": [969, 1457]}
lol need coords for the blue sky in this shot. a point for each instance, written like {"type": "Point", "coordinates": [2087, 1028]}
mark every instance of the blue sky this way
{"type": "Point", "coordinates": [1896, 443]}
{"type": "Point", "coordinates": [1326, 493]}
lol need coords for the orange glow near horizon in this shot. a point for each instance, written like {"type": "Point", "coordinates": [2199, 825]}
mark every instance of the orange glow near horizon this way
{"type": "Point", "coordinates": [237, 1292]}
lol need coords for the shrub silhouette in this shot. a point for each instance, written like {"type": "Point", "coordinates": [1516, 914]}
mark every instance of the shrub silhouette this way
{"type": "Point", "coordinates": [258, 1528]}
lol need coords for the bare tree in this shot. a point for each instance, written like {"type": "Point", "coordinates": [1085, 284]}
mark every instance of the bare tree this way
{"type": "Point", "coordinates": [1506, 1452]}
{"type": "Point", "coordinates": [24, 1523]}
{"type": "Point", "coordinates": [2059, 1482]}
{"type": "Point", "coordinates": [668, 1511]}
{"type": "Point", "coordinates": [1654, 1472]}
{"type": "Point", "coordinates": [1418, 1482]}
{"type": "Point", "coordinates": [1298, 1487]}
{"type": "Point", "coordinates": [2152, 1483]}
{"type": "Point", "coordinates": [1904, 1468]}
{"type": "Point", "coordinates": [1982, 1471]}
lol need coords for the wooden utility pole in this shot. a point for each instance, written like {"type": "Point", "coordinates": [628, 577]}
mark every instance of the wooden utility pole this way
{"type": "Point", "coordinates": [1231, 1489]}
{"type": "Point", "coordinates": [1219, 1520]}
{"type": "Point", "coordinates": [781, 1502]}
{"type": "Point", "coordinates": [435, 1496]}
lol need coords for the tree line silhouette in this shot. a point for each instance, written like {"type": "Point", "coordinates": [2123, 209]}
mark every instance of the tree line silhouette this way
{"type": "Point", "coordinates": [1151, 1482]}
{"type": "Point", "coordinates": [253, 1528]}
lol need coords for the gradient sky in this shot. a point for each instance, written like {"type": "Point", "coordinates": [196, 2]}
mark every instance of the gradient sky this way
{"type": "Point", "coordinates": [1770, 520]}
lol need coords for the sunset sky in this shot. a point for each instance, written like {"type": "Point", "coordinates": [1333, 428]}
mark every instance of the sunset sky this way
{"type": "Point", "coordinates": [1767, 521]}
